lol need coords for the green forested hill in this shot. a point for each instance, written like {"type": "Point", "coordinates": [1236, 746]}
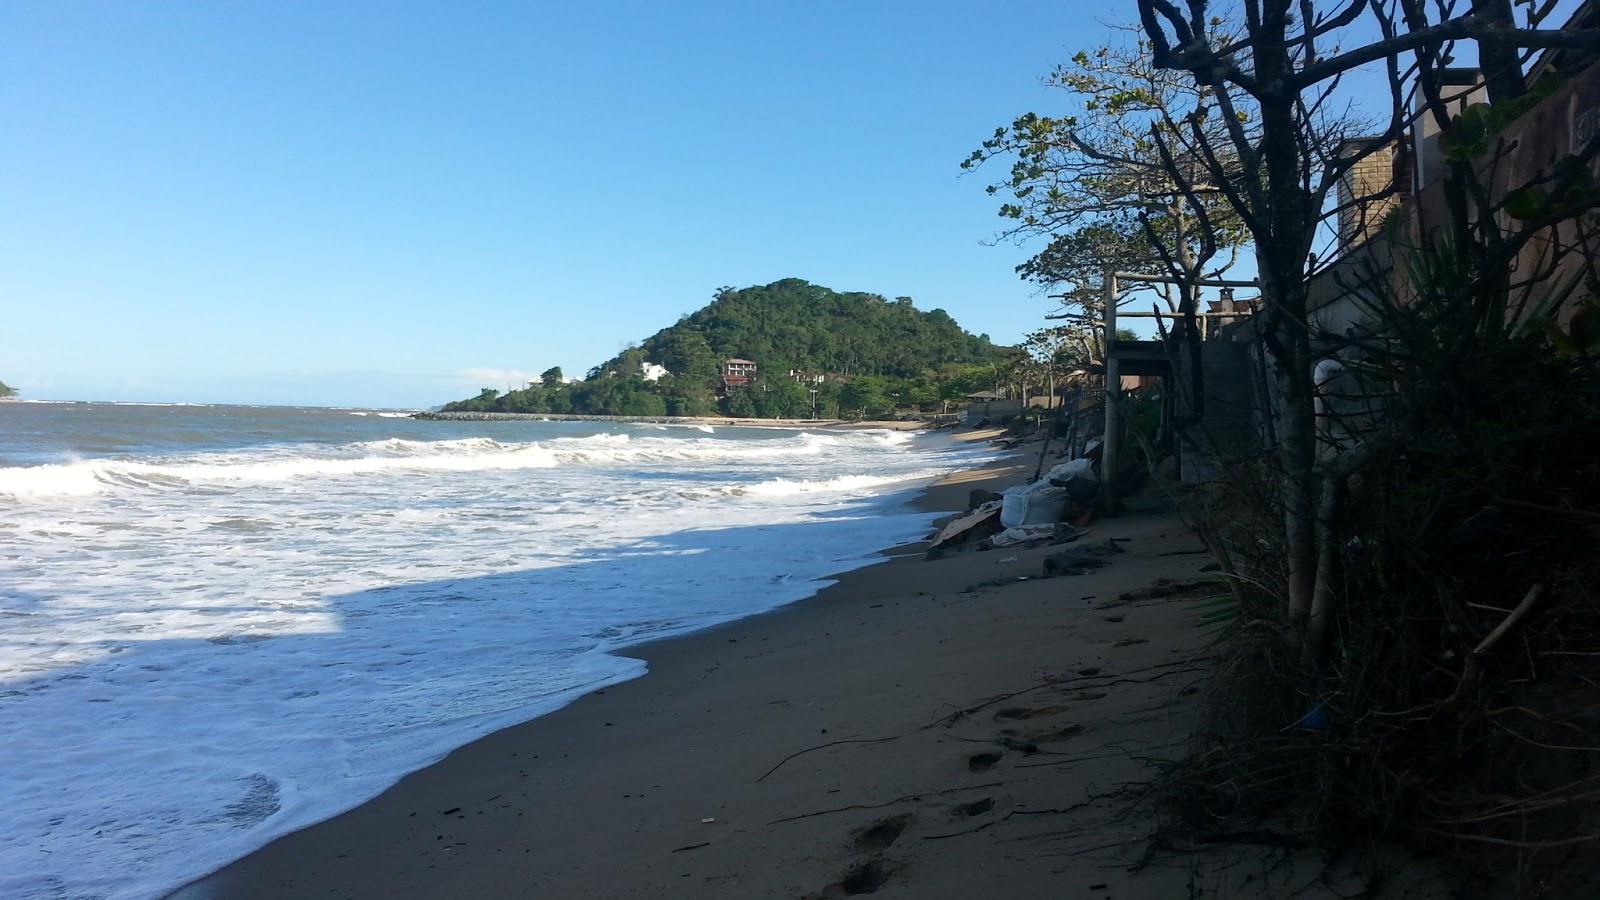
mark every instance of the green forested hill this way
{"type": "Point", "coordinates": [878, 354]}
{"type": "Point", "coordinates": [795, 324]}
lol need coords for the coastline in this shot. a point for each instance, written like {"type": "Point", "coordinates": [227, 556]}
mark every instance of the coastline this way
{"type": "Point", "coordinates": [949, 492]}
{"type": "Point", "coordinates": [812, 751]}
{"type": "Point", "coordinates": [731, 421]}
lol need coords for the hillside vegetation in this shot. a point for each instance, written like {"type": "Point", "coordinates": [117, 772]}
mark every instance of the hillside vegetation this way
{"type": "Point", "coordinates": [872, 355]}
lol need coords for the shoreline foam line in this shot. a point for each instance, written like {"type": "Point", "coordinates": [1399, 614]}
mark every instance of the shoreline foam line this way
{"type": "Point", "coordinates": [908, 498]}
{"type": "Point", "coordinates": [224, 883]}
{"type": "Point", "coordinates": [877, 507]}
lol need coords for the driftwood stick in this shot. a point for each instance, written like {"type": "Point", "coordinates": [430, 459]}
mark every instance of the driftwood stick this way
{"type": "Point", "coordinates": [824, 747]}
{"type": "Point", "coordinates": [1469, 672]}
{"type": "Point", "coordinates": [1512, 619]}
{"type": "Point", "coordinates": [905, 799]}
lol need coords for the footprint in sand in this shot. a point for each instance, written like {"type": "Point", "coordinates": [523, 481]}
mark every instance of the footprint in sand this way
{"type": "Point", "coordinates": [1059, 734]}
{"type": "Point", "coordinates": [975, 808]}
{"type": "Point", "coordinates": [881, 834]}
{"type": "Point", "coordinates": [866, 876]}
{"type": "Point", "coordinates": [982, 762]}
{"type": "Point", "coordinates": [862, 878]}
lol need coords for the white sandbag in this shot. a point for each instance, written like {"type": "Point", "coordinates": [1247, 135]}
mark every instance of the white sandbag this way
{"type": "Point", "coordinates": [1013, 505]}
{"type": "Point", "coordinates": [1076, 468]}
{"type": "Point", "coordinates": [1032, 504]}
{"type": "Point", "coordinates": [1078, 478]}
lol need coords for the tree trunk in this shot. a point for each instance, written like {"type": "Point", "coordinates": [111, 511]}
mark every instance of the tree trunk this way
{"type": "Point", "coordinates": [1291, 227]}
{"type": "Point", "coordinates": [1501, 63]}
{"type": "Point", "coordinates": [1322, 595]}
{"type": "Point", "coordinates": [1297, 439]}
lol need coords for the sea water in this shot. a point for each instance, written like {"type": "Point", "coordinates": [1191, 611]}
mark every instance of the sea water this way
{"type": "Point", "coordinates": [219, 624]}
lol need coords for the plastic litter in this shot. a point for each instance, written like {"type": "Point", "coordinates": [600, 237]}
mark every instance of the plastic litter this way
{"type": "Point", "coordinates": [1022, 534]}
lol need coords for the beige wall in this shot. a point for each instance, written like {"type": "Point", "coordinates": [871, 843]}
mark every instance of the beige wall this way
{"type": "Point", "coordinates": [1367, 195]}
{"type": "Point", "coordinates": [1550, 131]}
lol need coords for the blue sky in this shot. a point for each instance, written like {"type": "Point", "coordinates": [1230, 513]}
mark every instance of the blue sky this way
{"type": "Point", "coordinates": [383, 204]}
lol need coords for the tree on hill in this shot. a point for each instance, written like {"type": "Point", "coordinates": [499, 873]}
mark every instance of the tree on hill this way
{"type": "Point", "coordinates": [795, 324]}
{"type": "Point", "coordinates": [783, 326]}
{"type": "Point", "coordinates": [7, 390]}
{"type": "Point", "coordinates": [685, 353]}
{"type": "Point", "coordinates": [867, 397]}
{"type": "Point", "coordinates": [781, 398]}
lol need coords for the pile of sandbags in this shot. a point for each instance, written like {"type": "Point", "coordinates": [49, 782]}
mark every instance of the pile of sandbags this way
{"type": "Point", "coordinates": [1026, 512]}
{"type": "Point", "coordinates": [1045, 501]}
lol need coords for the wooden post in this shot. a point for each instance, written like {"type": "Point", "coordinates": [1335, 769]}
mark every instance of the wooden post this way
{"type": "Point", "coordinates": [1108, 441]}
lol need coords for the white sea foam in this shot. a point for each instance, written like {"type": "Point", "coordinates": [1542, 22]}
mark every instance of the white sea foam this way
{"type": "Point", "coordinates": [74, 479]}
{"type": "Point", "coordinates": [201, 651]}
{"type": "Point", "coordinates": [785, 487]}
{"type": "Point", "coordinates": [85, 477]}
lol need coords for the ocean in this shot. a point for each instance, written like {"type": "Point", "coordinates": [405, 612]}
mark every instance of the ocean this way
{"type": "Point", "coordinates": [219, 624]}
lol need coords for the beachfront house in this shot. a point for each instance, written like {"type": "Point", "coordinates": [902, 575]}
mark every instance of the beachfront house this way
{"type": "Point", "coordinates": [737, 372]}
{"type": "Point", "coordinates": [991, 405]}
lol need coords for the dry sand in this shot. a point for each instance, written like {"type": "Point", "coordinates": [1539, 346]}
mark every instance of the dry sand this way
{"type": "Point", "coordinates": [921, 729]}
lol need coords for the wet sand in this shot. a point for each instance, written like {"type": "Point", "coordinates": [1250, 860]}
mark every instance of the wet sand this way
{"type": "Point", "coordinates": [945, 728]}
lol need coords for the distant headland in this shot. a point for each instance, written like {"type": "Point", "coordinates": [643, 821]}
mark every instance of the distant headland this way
{"type": "Point", "coordinates": [787, 350]}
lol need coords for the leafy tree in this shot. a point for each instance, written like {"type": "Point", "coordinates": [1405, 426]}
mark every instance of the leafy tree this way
{"type": "Point", "coordinates": [921, 393]}
{"type": "Point", "coordinates": [486, 401]}
{"type": "Point", "coordinates": [555, 397]}
{"type": "Point", "coordinates": [7, 390]}
{"type": "Point", "coordinates": [630, 362]}
{"type": "Point", "coordinates": [530, 399]}
{"type": "Point", "coordinates": [825, 404]}
{"type": "Point", "coordinates": [866, 397]}
{"type": "Point", "coordinates": [686, 396]}
{"type": "Point", "coordinates": [1111, 181]}
{"type": "Point", "coordinates": [1279, 166]}
{"type": "Point", "coordinates": [638, 402]}
{"type": "Point", "coordinates": [552, 375]}
{"type": "Point", "coordinates": [782, 398]}
{"type": "Point", "coordinates": [685, 353]}
{"type": "Point", "coordinates": [741, 405]}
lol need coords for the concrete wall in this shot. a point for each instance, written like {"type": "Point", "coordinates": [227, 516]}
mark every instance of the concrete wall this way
{"type": "Point", "coordinates": [1230, 423]}
{"type": "Point", "coordinates": [1556, 128]}
{"type": "Point", "coordinates": [992, 409]}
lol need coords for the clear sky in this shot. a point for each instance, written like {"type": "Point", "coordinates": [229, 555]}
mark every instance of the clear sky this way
{"type": "Point", "coordinates": [394, 204]}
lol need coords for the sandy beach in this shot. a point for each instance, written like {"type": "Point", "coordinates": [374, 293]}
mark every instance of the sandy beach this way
{"type": "Point", "coordinates": [944, 728]}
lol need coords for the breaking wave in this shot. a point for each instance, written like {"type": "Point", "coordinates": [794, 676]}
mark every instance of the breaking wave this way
{"type": "Point", "coordinates": [784, 487]}
{"type": "Point", "coordinates": [243, 623]}
{"type": "Point", "coordinates": [81, 478]}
